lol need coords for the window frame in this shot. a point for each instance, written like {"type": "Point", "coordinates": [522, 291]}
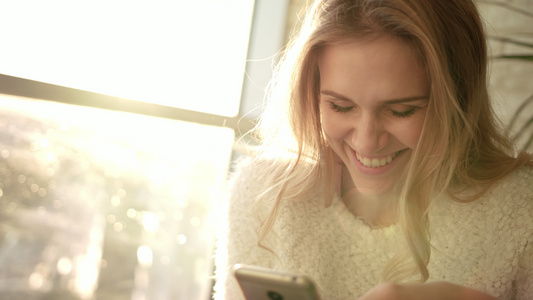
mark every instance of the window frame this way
{"type": "Point", "coordinates": [267, 35]}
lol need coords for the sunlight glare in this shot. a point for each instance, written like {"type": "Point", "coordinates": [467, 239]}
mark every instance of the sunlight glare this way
{"type": "Point", "coordinates": [145, 256]}
{"type": "Point", "coordinates": [64, 266]}
{"type": "Point", "coordinates": [36, 280]}
{"type": "Point", "coordinates": [150, 222]}
{"type": "Point", "coordinates": [187, 54]}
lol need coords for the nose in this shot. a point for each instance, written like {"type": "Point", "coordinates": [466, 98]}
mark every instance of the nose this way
{"type": "Point", "coordinates": [369, 135]}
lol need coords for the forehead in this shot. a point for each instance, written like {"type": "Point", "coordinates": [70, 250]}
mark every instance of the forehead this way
{"type": "Point", "coordinates": [375, 48]}
{"type": "Point", "coordinates": [378, 68]}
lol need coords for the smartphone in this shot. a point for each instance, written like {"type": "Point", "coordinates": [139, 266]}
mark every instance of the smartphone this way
{"type": "Point", "coordinates": [259, 283]}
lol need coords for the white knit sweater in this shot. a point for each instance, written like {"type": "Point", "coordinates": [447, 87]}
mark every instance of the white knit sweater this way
{"type": "Point", "coordinates": [487, 244]}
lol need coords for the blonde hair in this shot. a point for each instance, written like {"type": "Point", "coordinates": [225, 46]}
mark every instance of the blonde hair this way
{"type": "Point", "coordinates": [461, 145]}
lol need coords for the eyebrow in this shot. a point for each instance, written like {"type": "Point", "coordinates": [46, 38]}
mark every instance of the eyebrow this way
{"type": "Point", "coordinates": [392, 101]}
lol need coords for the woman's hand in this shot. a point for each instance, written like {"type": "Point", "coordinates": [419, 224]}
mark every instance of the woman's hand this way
{"type": "Point", "coordinates": [432, 290]}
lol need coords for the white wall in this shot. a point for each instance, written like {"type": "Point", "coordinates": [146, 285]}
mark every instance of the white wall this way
{"type": "Point", "coordinates": [511, 80]}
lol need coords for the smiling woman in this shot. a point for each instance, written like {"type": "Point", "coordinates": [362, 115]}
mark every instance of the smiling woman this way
{"type": "Point", "coordinates": [373, 105]}
{"type": "Point", "coordinates": [398, 182]}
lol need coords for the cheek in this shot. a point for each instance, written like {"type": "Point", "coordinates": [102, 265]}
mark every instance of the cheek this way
{"type": "Point", "coordinates": [409, 133]}
{"type": "Point", "coordinates": [333, 126]}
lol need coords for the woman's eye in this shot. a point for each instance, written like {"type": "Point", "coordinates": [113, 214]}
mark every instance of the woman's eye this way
{"type": "Point", "coordinates": [403, 114]}
{"type": "Point", "coordinates": [338, 108]}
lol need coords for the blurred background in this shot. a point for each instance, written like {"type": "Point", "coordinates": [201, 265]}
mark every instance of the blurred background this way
{"type": "Point", "coordinates": [119, 121]}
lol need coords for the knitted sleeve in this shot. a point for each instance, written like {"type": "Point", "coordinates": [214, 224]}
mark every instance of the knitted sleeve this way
{"type": "Point", "coordinates": [524, 280]}
{"type": "Point", "coordinates": [237, 233]}
{"type": "Point", "coordinates": [524, 277]}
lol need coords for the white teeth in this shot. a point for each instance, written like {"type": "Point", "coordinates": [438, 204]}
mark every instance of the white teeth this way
{"type": "Point", "coordinates": [376, 162]}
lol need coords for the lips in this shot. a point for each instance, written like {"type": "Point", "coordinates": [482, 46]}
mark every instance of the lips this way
{"type": "Point", "coordinates": [376, 162]}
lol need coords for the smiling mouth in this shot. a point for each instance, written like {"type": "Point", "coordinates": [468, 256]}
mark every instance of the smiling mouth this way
{"type": "Point", "coordinates": [376, 162]}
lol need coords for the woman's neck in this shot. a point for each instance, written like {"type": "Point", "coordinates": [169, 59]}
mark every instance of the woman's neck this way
{"type": "Point", "coordinates": [375, 210]}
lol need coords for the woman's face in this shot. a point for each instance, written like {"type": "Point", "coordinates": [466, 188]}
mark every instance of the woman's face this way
{"type": "Point", "coordinates": [373, 100]}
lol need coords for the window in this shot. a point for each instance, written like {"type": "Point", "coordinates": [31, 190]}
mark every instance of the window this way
{"type": "Point", "coordinates": [180, 53]}
{"type": "Point", "coordinates": [108, 191]}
